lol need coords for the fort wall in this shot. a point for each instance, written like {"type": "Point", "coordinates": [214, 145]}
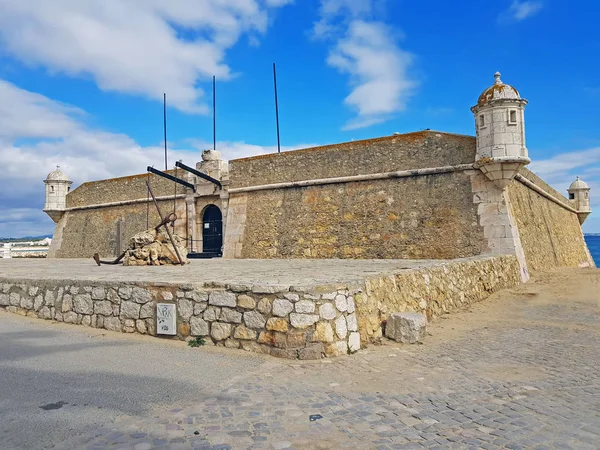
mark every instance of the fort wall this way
{"type": "Point", "coordinates": [550, 234]}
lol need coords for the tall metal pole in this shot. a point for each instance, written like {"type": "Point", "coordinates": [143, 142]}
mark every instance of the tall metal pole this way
{"type": "Point", "coordinates": [165, 127]}
{"type": "Point", "coordinates": [276, 108]}
{"type": "Point", "coordinates": [214, 113]}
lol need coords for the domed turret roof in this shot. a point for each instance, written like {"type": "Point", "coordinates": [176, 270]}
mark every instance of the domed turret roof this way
{"type": "Point", "coordinates": [498, 91]}
{"type": "Point", "coordinates": [57, 175]}
{"type": "Point", "coordinates": [578, 184]}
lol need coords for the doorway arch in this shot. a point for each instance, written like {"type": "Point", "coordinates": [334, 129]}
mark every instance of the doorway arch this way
{"type": "Point", "coordinates": [212, 230]}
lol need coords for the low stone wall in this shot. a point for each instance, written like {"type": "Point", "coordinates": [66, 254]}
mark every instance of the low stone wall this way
{"type": "Point", "coordinates": [432, 290]}
{"type": "Point", "coordinates": [284, 324]}
{"type": "Point", "coordinates": [305, 322]}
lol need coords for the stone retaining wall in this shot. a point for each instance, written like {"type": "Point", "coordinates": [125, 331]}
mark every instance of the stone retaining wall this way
{"type": "Point", "coordinates": [291, 322]}
{"type": "Point", "coordinates": [285, 324]}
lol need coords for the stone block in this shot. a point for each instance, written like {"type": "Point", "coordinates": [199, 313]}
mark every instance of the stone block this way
{"type": "Point", "coordinates": [4, 300]}
{"type": "Point", "coordinates": [49, 298]}
{"type": "Point", "coordinates": [282, 307]}
{"type": "Point", "coordinates": [244, 333]}
{"type": "Point", "coordinates": [341, 327]}
{"type": "Point", "coordinates": [38, 302]}
{"type": "Point", "coordinates": [251, 346]}
{"type": "Point", "coordinates": [289, 353]}
{"type": "Point", "coordinates": [45, 313]}
{"type": "Point", "coordinates": [254, 319]}
{"type": "Point", "coordinates": [199, 308]}
{"type": "Point", "coordinates": [303, 320]}
{"type": "Point", "coordinates": [305, 307]}
{"type": "Point", "coordinates": [125, 292]}
{"type": "Point", "coordinates": [198, 327]}
{"type": "Point", "coordinates": [327, 311]}
{"type": "Point", "coordinates": [336, 348]}
{"type": "Point", "coordinates": [67, 303]}
{"type": "Point", "coordinates": [407, 328]}
{"type": "Point", "coordinates": [220, 331]}
{"type": "Point", "coordinates": [222, 298]}
{"type": "Point", "coordinates": [246, 302]}
{"type": "Point", "coordinates": [354, 342]}
{"type": "Point", "coordinates": [313, 351]}
{"type": "Point", "coordinates": [351, 306]}
{"type": "Point", "coordinates": [26, 302]}
{"type": "Point", "coordinates": [147, 311]}
{"type": "Point", "coordinates": [230, 315]}
{"type": "Point", "coordinates": [130, 310]}
{"type": "Point", "coordinates": [291, 297]}
{"type": "Point", "coordinates": [264, 306]}
{"type": "Point", "coordinates": [140, 326]}
{"type": "Point", "coordinates": [352, 322]}
{"type": "Point", "coordinates": [140, 295]}
{"type": "Point", "coordinates": [14, 299]}
{"type": "Point", "coordinates": [232, 343]}
{"type": "Point", "coordinates": [166, 296]}
{"type": "Point", "coordinates": [323, 332]}
{"type": "Point", "coordinates": [98, 293]}
{"type": "Point", "coordinates": [341, 303]}
{"type": "Point", "coordinates": [276, 324]}
{"type": "Point", "coordinates": [185, 308]}
{"type": "Point", "coordinates": [103, 307]}
{"type": "Point", "coordinates": [82, 304]}
{"type": "Point", "coordinates": [212, 313]}
{"type": "Point", "coordinates": [70, 317]}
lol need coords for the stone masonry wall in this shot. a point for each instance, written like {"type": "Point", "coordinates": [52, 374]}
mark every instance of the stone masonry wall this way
{"type": "Point", "coordinates": [284, 324]}
{"type": "Point", "coordinates": [85, 232]}
{"type": "Point", "coordinates": [432, 290]}
{"type": "Point", "coordinates": [399, 152]}
{"type": "Point", "coordinates": [551, 236]}
{"type": "Point", "coordinates": [424, 217]}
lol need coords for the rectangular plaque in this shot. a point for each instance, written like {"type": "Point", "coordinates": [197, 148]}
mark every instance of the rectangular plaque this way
{"type": "Point", "coordinates": [166, 319]}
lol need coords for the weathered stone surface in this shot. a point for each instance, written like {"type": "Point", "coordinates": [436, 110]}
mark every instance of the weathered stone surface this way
{"type": "Point", "coordinates": [199, 308]}
{"type": "Point", "coordinates": [268, 288]}
{"type": "Point", "coordinates": [86, 321]}
{"type": "Point", "coordinates": [212, 313]}
{"type": "Point", "coordinates": [230, 315]}
{"type": "Point", "coordinates": [33, 290]}
{"type": "Point", "coordinates": [140, 326]}
{"type": "Point", "coordinates": [341, 303]}
{"type": "Point", "coordinates": [103, 307]}
{"type": "Point", "coordinates": [199, 296]}
{"type": "Point", "coordinates": [15, 299]}
{"type": "Point", "coordinates": [26, 302]}
{"type": "Point", "coordinates": [140, 295]}
{"type": "Point", "coordinates": [282, 307]}
{"type": "Point", "coordinates": [341, 328]}
{"type": "Point", "coordinates": [4, 300]}
{"type": "Point", "coordinates": [142, 238]}
{"type": "Point", "coordinates": [198, 327]}
{"type": "Point", "coordinates": [147, 311]}
{"type": "Point", "coordinates": [222, 298]}
{"type": "Point", "coordinates": [313, 351]}
{"type": "Point", "coordinates": [291, 297]}
{"type": "Point", "coordinates": [323, 333]}
{"type": "Point", "coordinates": [70, 317]}
{"type": "Point", "coordinates": [303, 320]}
{"type": "Point", "coordinates": [354, 342]}
{"type": "Point", "coordinates": [232, 343]}
{"type": "Point", "coordinates": [351, 306]}
{"type": "Point", "coordinates": [276, 324]}
{"type": "Point", "coordinates": [254, 319]}
{"type": "Point", "coordinates": [38, 302]}
{"type": "Point", "coordinates": [125, 292]}
{"type": "Point", "coordinates": [255, 347]}
{"type": "Point", "coordinates": [45, 313]}
{"type": "Point", "coordinates": [67, 303]}
{"type": "Point", "coordinates": [98, 293]}
{"type": "Point", "coordinates": [243, 332]}
{"type": "Point", "coordinates": [129, 326]}
{"type": "Point", "coordinates": [166, 296]}
{"type": "Point", "coordinates": [264, 306]}
{"type": "Point", "coordinates": [130, 310]}
{"type": "Point", "coordinates": [336, 349]}
{"type": "Point", "coordinates": [220, 331]}
{"type": "Point", "coordinates": [327, 311]}
{"type": "Point", "coordinates": [185, 308]}
{"type": "Point", "coordinates": [82, 304]}
{"type": "Point", "coordinates": [352, 322]}
{"type": "Point", "coordinates": [329, 296]}
{"type": "Point", "coordinates": [245, 301]}
{"type": "Point", "coordinates": [288, 353]}
{"type": "Point", "coordinates": [408, 328]}
{"type": "Point", "coordinates": [49, 297]}
{"type": "Point", "coordinates": [305, 306]}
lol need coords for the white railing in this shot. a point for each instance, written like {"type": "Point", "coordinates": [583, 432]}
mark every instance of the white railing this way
{"type": "Point", "coordinates": [10, 250]}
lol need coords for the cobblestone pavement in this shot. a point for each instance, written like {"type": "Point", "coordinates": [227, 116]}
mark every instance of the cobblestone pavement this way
{"type": "Point", "coordinates": [519, 370]}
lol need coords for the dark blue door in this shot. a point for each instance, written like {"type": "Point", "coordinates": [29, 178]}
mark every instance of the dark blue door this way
{"type": "Point", "coordinates": [212, 230]}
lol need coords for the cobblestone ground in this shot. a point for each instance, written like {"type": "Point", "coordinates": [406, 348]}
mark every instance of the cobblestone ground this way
{"type": "Point", "coordinates": [519, 370]}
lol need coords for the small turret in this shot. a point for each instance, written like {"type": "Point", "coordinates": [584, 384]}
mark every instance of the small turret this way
{"type": "Point", "coordinates": [58, 186]}
{"type": "Point", "coordinates": [579, 194]}
{"type": "Point", "coordinates": [500, 125]}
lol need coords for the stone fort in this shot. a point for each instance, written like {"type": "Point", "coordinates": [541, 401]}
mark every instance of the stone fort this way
{"type": "Point", "coordinates": [421, 195]}
{"type": "Point", "coordinates": [311, 251]}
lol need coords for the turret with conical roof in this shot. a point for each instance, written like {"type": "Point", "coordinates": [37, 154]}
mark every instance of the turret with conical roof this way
{"type": "Point", "coordinates": [58, 186]}
{"type": "Point", "coordinates": [500, 125]}
{"type": "Point", "coordinates": [579, 194]}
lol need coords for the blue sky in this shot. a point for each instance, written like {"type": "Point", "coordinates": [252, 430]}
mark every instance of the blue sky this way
{"type": "Point", "coordinates": [81, 82]}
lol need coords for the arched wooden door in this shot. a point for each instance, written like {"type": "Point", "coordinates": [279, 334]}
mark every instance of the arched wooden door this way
{"type": "Point", "coordinates": [212, 230]}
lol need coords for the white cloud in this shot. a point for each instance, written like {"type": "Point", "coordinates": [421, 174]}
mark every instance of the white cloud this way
{"type": "Point", "coordinates": [367, 51]}
{"type": "Point", "coordinates": [521, 10]}
{"type": "Point", "coordinates": [38, 133]}
{"type": "Point", "coordinates": [141, 47]}
{"type": "Point", "coordinates": [235, 149]}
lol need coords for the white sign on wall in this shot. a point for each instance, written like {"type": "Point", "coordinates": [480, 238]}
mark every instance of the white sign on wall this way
{"type": "Point", "coordinates": [166, 319]}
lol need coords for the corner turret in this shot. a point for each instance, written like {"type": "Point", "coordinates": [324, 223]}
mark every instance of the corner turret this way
{"type": "Point", "coordinates": [58, 186]}
{"type": "Point", "coordinates": [500, 125]}
{"type": "Point", "coordinates": [579, 194]}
